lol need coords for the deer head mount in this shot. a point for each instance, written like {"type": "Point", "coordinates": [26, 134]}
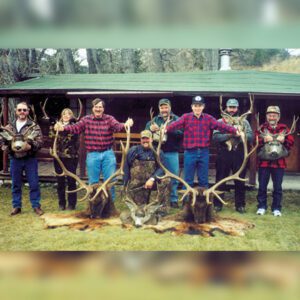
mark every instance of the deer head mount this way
{"type": "Point", "coordinates": [97, 194]}
{"type": "Point", "coordinates": [238, 122]}
{"type": "Point", "coordinates": [198, 196]}
{"type": "Point", "coordinates": [274, 149]}
{"type": "Point", "coordinates": [139, 215]}
{"type": "Point", "coordinates": [18, 141]}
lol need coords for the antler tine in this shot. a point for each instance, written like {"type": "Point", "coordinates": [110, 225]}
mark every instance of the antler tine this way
{"type": "Point", "coordinates": [293, 127]}
{"type": "Point", "coordinates": [126, 198]}
{"type": "Point", "coordinates": [3, 128]}
{"type": "Point", "coordinates": [156, 153]}
{"type": "Point", "coordinates": [1, 114]}
{"type": "Point", "coordinates": [151, 113]}
{"type": "Point", "coordinates": [43, 108]}
{"type": "Point", "coordinates": [34, 119]}
{"type": "Point", "coordinates": [80, 110]}
{"type": "Point", "coordinates": [119, 172]}
{"type": "Point", "coordinates": [1, 125]}
{"type": "Point", "coordinates": [236, 175]}
{"type": "Point", "coordinates": [65, 172]}
{"type": "Point", "coordinates": [259, 128]}
{"type": "Point", "coordinates": [223, 112]}
{"type": "Point", "coordinates": [250, 111]}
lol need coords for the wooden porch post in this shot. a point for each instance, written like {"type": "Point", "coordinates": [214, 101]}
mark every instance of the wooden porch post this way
{"type": "Point", "coordinates": [82, 151]}
{"type": "Point", "coordinates": [5, 122]}
{"type": "Point", "coordinates": [253, 158]}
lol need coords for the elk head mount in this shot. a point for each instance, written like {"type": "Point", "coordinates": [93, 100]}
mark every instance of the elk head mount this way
{"type": "Point", "coordinates": [274, 149]}
{"type": "Point", "coordinates": [238, 122]}
{"type": "Point", "coordinates": [98, 195]}
{"type": "Point", "coordinates": [18, 141]}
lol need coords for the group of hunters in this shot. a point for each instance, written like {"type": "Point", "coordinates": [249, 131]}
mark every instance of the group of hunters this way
{"type": "Point", "coordinates": [141, 170]}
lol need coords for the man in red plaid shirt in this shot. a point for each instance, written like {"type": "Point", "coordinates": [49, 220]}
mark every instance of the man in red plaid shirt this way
{"type": "Point", "coordinates": [198, 128]}
{"type": "Point", "coordinates": [98, 128]}
{"type": "Point", "coordinates": [272, 130]}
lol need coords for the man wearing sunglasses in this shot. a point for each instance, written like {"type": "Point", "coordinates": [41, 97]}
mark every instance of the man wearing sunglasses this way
{"type": "Point", "coordinates": [22, 152]}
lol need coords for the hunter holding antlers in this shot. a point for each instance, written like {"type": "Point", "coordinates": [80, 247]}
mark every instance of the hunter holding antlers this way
{"type": "Point", "coordinates": [197, 127]}
{"type": "Point", "coordinates": [170, 145]}
{"type": "Point", "coordinates": [23, 138]}
{"type": "Point", "coordinates": [141, 174]}
{"type": "Point", "coordinates": [275, 142]}
{"type": "Point", "coordinates": [230, 153]}
{"type": "Point", "coordinates": [98, 128]}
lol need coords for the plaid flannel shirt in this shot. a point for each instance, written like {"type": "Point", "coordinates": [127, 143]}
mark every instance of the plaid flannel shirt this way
{"type": "Point", "coordinates": [288, 143]}
{"type": "Point", "coordinates": [198, 131]}
{"type": "Point", "coordinates": [98, 131]}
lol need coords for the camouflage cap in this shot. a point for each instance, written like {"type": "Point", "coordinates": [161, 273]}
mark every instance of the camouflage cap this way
{"type": "Point", "coordinates": [273, 109]}
{"type": "Point", "coordinates": [146, 133]}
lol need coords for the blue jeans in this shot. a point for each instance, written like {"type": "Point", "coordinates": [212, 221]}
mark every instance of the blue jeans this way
{"type": "Point", "coordinates": [30, 166]}
{"type": "Point", "coordinates": [263, 180]}
{"type": "Point", "coordinates": [172, 164]}
{"type": "Point", "coordinates": [101, 162]}
{"type": "Point", "coordinates": [196, 160]}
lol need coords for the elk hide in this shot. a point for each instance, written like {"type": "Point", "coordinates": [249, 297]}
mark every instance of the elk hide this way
{"type": "Point", "coordinates": [80, 221]}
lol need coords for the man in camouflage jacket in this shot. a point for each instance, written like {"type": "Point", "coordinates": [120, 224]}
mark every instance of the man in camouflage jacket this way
{"type": "Point", "coordinates": [25, 159]}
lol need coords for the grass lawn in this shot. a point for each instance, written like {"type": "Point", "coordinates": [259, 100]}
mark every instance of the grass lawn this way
{"type": "Point", "coordinates": [26, 231]}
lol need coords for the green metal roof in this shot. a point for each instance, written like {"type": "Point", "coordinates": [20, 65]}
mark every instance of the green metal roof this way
{"type": "Point", "coordinates": [205, 82]}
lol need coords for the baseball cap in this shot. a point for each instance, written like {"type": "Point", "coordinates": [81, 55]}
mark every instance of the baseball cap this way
{"type": "Point", "coordinates": [198, 100]}
{"type": "Point", "coordinates": [164, 101]}
{"type": "Point", "coordinates": [273, 109]}
{"type": "Point", "coordinates": [232, 102]}
{"type": "Point", "coordinates": [146, 133]}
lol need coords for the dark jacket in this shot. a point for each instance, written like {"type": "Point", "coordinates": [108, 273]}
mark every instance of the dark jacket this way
{"type": "Point", "coordinates": [67, 143]}
{"type": "Point", "coordinates": [174, 139]}
{"type": "Point", "coordinates": [35, 144]}
{"type": "Point", "coordinates": [220, 138]}
{"type": "Point", "coordinates": [140, 153]}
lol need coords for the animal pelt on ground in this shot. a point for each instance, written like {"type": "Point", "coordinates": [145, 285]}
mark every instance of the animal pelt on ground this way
{"type": "Point", "coordinates": [81, 221]}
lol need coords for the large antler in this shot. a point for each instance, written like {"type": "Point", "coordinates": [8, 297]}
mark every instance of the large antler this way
{"type": "Point", "coordinates": [236, 175]}
{"type": "Point", "coordinates": [293, 127]}
{"type": "Point", "coordinates": [189, 189]}
{"type": "Point", "coordinates": [151, 114]}
{"type": "Point", "coordinates": [10, 132]}
{"type": "Point", "coordinates": [43, 107]}
{"type": "Point", "coordinates": [284, 133]}
{"type": "Point", "coordinates": [119, 172]}
{"type": "Point", "coordinates": [250, 111]}
{"type": "Point", "coordinates": [80, 110]}
{"type": "Point", "coordinates": [33, 119]}
{"type": "Point", "coordinates": [65, 172]}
